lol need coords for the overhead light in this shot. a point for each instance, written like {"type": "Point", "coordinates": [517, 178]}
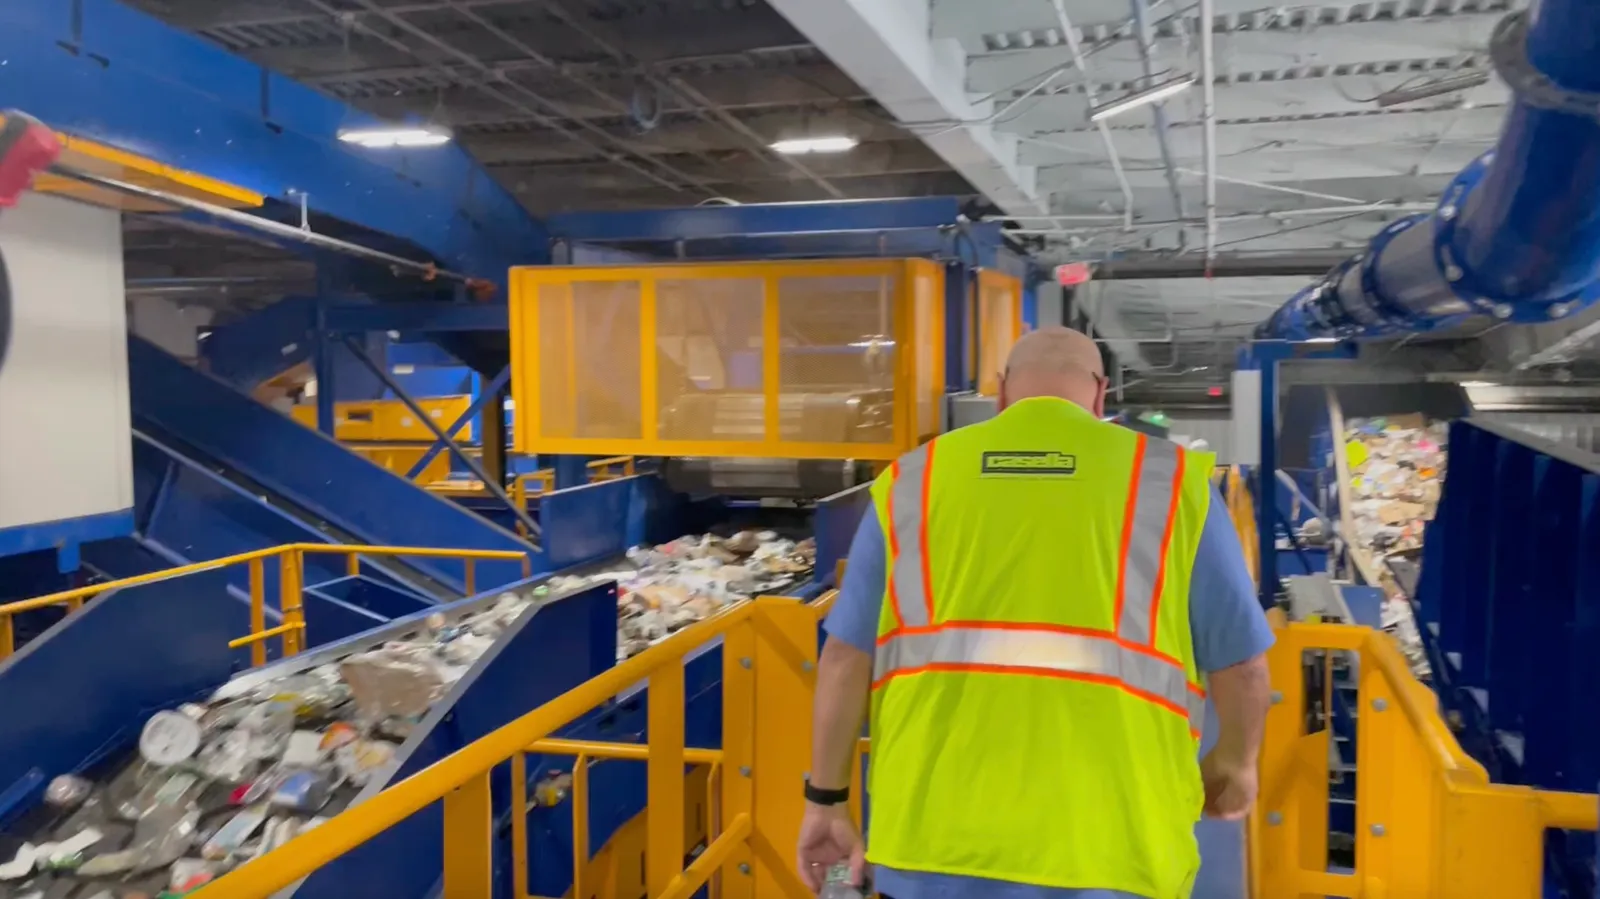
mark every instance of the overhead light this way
{"type": "Point", "coordinates": [1446, 85]}
{"type": "Point", "coordinates": [802, 145]}
{"type": "Point", "coordinates": [384, 138]}
{"type": "Point", "coordinates": [1320, 340]}
{"type": "Point", "coordinates": [1152, 94]}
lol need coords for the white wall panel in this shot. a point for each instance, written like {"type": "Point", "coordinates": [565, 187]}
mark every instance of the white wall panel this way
{"type": "Point", "coordinates": [65, 445]}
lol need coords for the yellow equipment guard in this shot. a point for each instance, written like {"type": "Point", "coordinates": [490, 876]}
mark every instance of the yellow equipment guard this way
{"type": "Point", "coordinates": [813, 360]}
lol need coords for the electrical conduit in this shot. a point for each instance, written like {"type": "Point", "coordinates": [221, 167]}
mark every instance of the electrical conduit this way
{"type": "Point", "coordinates": [1516, 235]}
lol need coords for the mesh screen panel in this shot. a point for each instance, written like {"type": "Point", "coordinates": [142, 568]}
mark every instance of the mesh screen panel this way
{"type": "Point", "coordinates": [708, 359]}
{"type": "Point", "coordinates": [929, 342]}
{"type": "Point", "coordinates": [837, 358]}
{"type": "Point", "coordinates": [999, 299]}
{"type": "Point", "coordinates": [589, 360]}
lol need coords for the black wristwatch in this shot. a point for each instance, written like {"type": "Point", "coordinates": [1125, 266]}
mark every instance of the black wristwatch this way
{"type": "Point", "coordinates": [819, 796]}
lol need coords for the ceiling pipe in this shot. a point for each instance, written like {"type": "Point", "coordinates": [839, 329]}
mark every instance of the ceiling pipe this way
{"type": "Point", "coordinates": [1208, 120]}
{"type": "Point", "coordinates": [1158, 111]}
{"type": "Point", "coordinates": [1516, 235]}
{"type": "Point", "coordinates": [1089, 93]}
{"type": "Point", "coordinates": [1142, 267]}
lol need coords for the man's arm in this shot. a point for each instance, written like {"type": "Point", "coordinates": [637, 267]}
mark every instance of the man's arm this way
{"type": "Point", "coordinates": [1241, 694]}
{"type": "Point", "coordinates": [1231, 637]}
{"type": "Point", "coordinates": [844, 683]}
{"type": "Point", "coordinates": [844, 680]}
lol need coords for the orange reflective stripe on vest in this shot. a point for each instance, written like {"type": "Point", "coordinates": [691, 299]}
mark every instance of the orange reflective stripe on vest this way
{"type": "Point", "coordinates": [1043, 651]}
{"type": "Point", "coordinates": [1125, 658]}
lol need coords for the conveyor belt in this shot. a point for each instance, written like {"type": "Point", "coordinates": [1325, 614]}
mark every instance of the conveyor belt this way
{"type": "Point", "coordinates": [169, 444]}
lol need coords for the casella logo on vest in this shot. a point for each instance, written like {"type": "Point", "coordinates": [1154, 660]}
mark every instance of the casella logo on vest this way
{"type": "Point", "coordinates": [1030, 463]}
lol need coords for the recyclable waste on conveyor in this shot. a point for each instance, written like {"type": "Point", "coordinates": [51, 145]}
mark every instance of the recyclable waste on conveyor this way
{"type": "Point", "coordinates": [217, 783]}
{"type": "Point", "coordinates": [1397, 469]}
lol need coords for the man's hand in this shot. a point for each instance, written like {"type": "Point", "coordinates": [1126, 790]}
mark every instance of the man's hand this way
{"type": "Point", "coordinates": [827, 838]}
{"type": "Point", "coordinates": [1230, 787]}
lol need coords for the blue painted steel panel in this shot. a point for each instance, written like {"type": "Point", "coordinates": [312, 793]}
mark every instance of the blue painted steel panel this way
{"type": "Point", "coordinates": [755, 219]}
{"type": "Point", "coordinates": [106, 670]}
{"type": "Point", "coordinates": [1509, 579]}
{"type": "Point", "coordinates": [418, 317]}
{"type": "Point", "coordinates": [373, 598]}
{"type": "Point", "coordinates": [329, 620]}
{"type": "Point", "coordinates": [27, 538]}
{"type": "Point", "coordinates": [309, 469]}
{"type": "Point", "coordinates": [262, 345]}
{"type": "Point", "coordinates": [107, 72]}
{"type": "Point", "coordinates": [192, 514]}
{"type": "Point", "coordinates": [547, 652]}
{"type": "Point", "coordinates": [834, 525]}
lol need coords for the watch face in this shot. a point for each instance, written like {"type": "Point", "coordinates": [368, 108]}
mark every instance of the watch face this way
{"type": "Point", "coordinates": [169, 738]}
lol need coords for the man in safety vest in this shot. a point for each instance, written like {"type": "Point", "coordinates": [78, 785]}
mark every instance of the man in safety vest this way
{"type": "Point", "coordinates": [1036, 613]}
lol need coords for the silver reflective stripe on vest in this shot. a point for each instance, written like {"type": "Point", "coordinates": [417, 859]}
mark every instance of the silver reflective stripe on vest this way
{"type": "Point", "coordinates": [1151, 505]}
{"type": "Point", "coordinates": [1039, 651]}
{"type": "Point", "coordinates": [905, 516]}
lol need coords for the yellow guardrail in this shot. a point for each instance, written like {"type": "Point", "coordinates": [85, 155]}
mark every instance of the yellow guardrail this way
{"type": "Point", "coordinates": [610, 469]}
{"type": "Point", "coordinates": [1242, 511]}
{"type": "Point", "coordinates": [291, 588]}
{"type": "Point", "coordinates": [769, 650]}
{"type": "Point", "coordinates": [1428, 821]}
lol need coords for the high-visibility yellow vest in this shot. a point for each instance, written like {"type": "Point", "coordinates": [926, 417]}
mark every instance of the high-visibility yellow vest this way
{"type": "Point", "coordinates": [1036, 709]}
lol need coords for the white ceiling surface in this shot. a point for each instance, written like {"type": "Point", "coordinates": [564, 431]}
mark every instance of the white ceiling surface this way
{"type": "Point", "coordinates": [1296, 128]}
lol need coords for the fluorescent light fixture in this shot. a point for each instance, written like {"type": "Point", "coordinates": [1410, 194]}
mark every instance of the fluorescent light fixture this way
{"type": "Point", "coordinates": [1320, 340]}
{"type": "Point", "coordinates": [802, 145]}
{"type": "Point", "coordinates": [1446, 85]}
{"type": "Point", "coordinates": [1152, 94]}
{"type": "Point", "coordinates": [869, 344]}
{"type": "Point", "coordinates": [399, 136]}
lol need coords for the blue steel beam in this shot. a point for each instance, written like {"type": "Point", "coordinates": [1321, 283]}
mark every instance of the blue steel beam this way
{"type": "Point", "coordinates": [417, 317]}
{"type": "Point", "coordinates": [769, 219]}
{"type": "Point", "coordinates": [487, 394]}
{"type": "Point", "coordinates": [100, 70]}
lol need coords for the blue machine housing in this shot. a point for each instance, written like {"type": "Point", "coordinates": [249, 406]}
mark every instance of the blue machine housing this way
{"type": "Point", "coordinates": [1516, 235]}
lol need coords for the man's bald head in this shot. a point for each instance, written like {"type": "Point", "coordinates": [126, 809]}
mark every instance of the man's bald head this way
{"type": "Point", "coordinates": [1057, 362]}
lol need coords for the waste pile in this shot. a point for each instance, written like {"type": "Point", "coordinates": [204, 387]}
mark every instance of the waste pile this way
{"type": "Point", "coordinates": [1397, 468]}
{"type": "Point", "coordinates": [218, 783]}
{"type": "Point", "coordinates": [665, 588]}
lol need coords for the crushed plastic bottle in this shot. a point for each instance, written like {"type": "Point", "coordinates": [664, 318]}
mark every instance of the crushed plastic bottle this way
{"type": "Point", "coordinates": [838, 885]}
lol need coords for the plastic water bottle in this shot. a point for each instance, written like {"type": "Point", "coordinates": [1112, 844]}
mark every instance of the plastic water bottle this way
{"type": "Point", "coordinates": [837, 886]}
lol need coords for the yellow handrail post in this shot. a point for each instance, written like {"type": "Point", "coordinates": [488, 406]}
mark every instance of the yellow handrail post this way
{"type": "Point", "coordinates": [289, 599]}
{"type": "Point", "coordinates": [469, 840]}
{"type": "Point", "coordinates": [352, 564]}
{"type": "Point", "coordinates": [738, 747]}
{"type": "Point", "coordinates": [258, 611]}
{"type": "Point", "coordinates": [580, 827]}
{"type": "Point", "coordinates": [713, 826]}
{"type": "Point", "coordinates": [472, 577]}
{"type": "Point", "coordinates": [519, 827]}
{"type": "Point", "coordinates": [663, 858]}
{"type": "Point", "coordinates": [8, 636]}
{"type": "Point", "coordinates": [785, 675]}
{"type": "Point", "coordinates": [527, 565]}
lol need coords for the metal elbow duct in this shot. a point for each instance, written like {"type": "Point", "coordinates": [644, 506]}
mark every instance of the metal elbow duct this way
{"type": "Point", "coordinates": [1516, 235]}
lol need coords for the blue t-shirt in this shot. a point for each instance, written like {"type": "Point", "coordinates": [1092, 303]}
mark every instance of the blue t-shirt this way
{"type": "Point", "coordinates": [1225, 618]}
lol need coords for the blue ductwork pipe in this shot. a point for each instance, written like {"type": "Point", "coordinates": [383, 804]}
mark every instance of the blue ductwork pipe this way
{"type": "Point", "coordinates": [1516, 235]}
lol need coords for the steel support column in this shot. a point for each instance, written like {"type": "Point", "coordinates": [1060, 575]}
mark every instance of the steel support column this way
{"type": "Point", "coordinates": [480, 404]}
{"type": "Point", "coordinates": [496, 488]}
